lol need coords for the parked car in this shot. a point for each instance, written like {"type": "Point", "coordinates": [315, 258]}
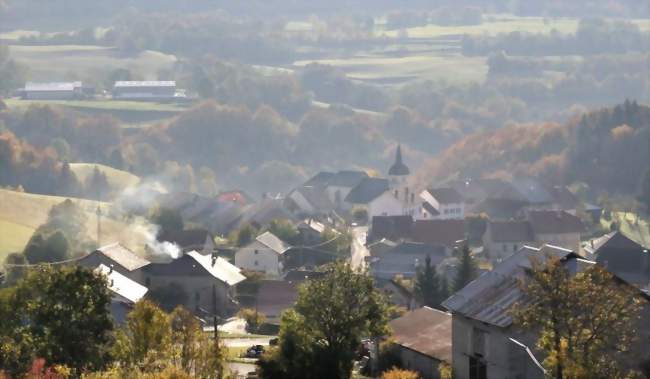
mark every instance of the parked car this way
{"type": "Point", "coordinates": [254, 351]}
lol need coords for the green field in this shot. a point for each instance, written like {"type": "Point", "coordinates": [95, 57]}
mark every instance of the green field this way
{"type": "Point", "coordinates": [62, 62]}
{"type": "Point", "coordinates": [117, 179]}
{"type": "Point", "coordinates": [21, 213]}
{"type": "Point", "coordinates": [131, 113]}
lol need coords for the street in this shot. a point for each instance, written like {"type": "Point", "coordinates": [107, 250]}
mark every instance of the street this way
{"type": "Point", "coordinates": [358, 251]}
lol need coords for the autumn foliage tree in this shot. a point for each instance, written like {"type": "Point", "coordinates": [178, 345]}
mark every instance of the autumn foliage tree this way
{"type": "Point", "coordinates": [586, 322]}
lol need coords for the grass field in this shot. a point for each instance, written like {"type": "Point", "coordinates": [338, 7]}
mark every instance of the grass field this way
{"type": "Point", "coordinates": [639, 232]}
{"type": "Point", "coordinates": [117, 179]}
{"type": "Point", "coordinates": [60, 62]}
{"type": "Point", "coordinates": [21, 213]}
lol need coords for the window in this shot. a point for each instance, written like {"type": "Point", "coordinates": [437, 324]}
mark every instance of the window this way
{"type": "Point", "coordinates": [514, 248]}
{"type": "Point", "coordinates": [477, 368]}
{"type": "Point", "coordinates": [256, 252]}
{"type": "Point", "coordinates": [478, 342]}
{"type": "Point", "coordinates": [505, 247]}
{"type": "Point", "coordinates": [147, 282]}
{"type": "Point", "coordinates": [256, 263]}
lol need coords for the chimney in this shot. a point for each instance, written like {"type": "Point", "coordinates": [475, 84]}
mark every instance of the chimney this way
{"type": "Point", "coordinates": [396, 194]}
{"type": "Point", "coordinates": [214, 259]}
{"type": "Point", "coordinates": [112, 283]}
{"type": "Point", "coordinates": [412, 198]}
{"type": "Point", "coordinates": [406, 195]}
{"type": "Point", "coordinates": [110, 269]}
{"type": "Point", "coordinates": [646, 261]}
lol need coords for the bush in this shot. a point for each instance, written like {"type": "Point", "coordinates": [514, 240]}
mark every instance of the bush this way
{"type": "Point", "coordinates": [253, 319]}
{"type": "Point", "coordinates": [397, 373]}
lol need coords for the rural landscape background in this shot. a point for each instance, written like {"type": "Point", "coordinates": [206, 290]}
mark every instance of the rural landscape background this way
{"type": "Point", "coordinates": [274, 92]}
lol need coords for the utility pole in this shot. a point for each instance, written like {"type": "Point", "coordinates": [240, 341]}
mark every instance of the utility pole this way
{"type": "Point", "coordinates": [99, 215]}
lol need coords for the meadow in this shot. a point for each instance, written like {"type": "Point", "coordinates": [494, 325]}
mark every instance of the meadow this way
{"type": "Point", "coordinates": [22, 213]}
{"type": "Point", "coordinates": [117, 179]}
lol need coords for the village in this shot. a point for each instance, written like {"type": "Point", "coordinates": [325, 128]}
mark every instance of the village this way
{"type": "Point", "coordinates": [392, 231]}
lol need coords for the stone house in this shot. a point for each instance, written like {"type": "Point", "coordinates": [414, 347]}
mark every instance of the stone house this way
{"type": "Point", "coordinates": [116, 257]}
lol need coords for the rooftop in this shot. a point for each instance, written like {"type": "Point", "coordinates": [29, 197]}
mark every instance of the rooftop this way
{"type": "Point", "coordinates": [218, 268]}
{"type": "Point", "coordinates": [426, 331]}
{"type": "Point", "coordinates": [346, 178]}
{"type": "Point", "coordinates": [123, 256]}
{"type": "Point", "coordinates": [446, 195]}
{"type": "Point", "coordinates": [554, 222]}
{"type": "Point", "coordinates": [271, 241]}
{"type": "Point", "coordinates": [511, 231]}
{"type": "Point", "coordinates": [398, 168]}
{"type": "Point", "coordinates": [121, 285]}
{"type": "Point", "coordinates": [439, 232]}
{"type": "Point", "coordinates": [367, 190]}
{"type": "Point", "coordinates": [146, 83]}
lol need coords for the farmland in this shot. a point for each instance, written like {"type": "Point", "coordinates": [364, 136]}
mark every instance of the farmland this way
{"type": "Point", "coordinates": [21, 213]}
{"type": "Point", "coordinates": [117, 179]}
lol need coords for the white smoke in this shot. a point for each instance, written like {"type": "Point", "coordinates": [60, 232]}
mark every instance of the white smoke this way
{"type": "Point", "coordinates": [150, 232]}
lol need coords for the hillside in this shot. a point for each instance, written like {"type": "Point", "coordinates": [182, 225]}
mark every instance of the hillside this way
{"type": "Point", "coordinates": [608, 149]}
{"type": "Point", "coordinates": [117, 179]}
{"type": "Point", "coordinates": [21, 213]}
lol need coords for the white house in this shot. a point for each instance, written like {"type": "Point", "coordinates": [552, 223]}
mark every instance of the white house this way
{"type": "Point", "coordinates": [374, 195]}
{"type": "Point", "coordinates": [441, 204]}
{"type": "Point", "coordinates": [264, 254]}
{"type": "Point", "coordinates": [125, 291]}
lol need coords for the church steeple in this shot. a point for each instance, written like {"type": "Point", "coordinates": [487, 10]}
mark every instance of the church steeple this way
{"type": "Point", "coordinates": [398, 168]}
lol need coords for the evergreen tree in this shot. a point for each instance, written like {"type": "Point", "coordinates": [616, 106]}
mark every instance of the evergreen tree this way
{"type": "Point", "coordinates": [427, 285]}
{"type": "Point", "coordinates": [467, 270]}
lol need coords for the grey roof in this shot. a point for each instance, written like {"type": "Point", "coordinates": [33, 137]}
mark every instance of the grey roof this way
{"type": "Point", "coordinates": [417, 248]}
{"type": "Point", "coordinates": [320, 179]}
{"type": "Point", "coordinates": [368, 190]}
{"type": "Point", "coordinates": [398, 168]}
{"type": "Point", "coordinates": [554, 222]}
{"type": "Point", "coordinates": [316, 196]}
{"type": "Point", "coordinates": [123, 256]}
{"type": "Point", "coordinates": [121, 285]}
{"type": "Point", "coordinates": [446, 195]}
{"type": "Point", "coordinates": [510, 231]}
{"type": "Point", "coordinates": [347, 179]}
{"type": "Point", "coordinates": [531, 190]}
{"type": "Point", "coordinates": [218, 268]}
{"type": "Point", "coordinates": [271, 241]}
{"type": "Point", "coordinates": [146, 83]}
{"type": "Point", "coordinates": [491, 296]}
{"type": "Point", "coordinates": [426, 331]}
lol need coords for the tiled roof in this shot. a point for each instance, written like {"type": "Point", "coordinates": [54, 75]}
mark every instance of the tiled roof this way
{"type": "Point", "coordinates": [123, 256]}
{"type": "Point", "coordinates": [438, 232]}
{"type": "Point", "coordinates": [121, 285]}
{"type": "Point", "coordinates": [319, 180]}
{"type": "Point", "coordinates": [316, 196]}
{"type": "Point", "coordinates": [426, 331]}
{"type": "Point", "coordinates": [270, 240]}
{"type": "Point", "coordinates": [491, 296]}
{"type": "Point", "coordinates": [367, 190]}
{"type": "Point", "coordinates": [510, 231]}
{"type": "Point", "coordinates": [554, 222]}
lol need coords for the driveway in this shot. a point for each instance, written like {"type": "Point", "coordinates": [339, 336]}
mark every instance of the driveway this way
{"type": "Point", "coordinates": [358, 251]}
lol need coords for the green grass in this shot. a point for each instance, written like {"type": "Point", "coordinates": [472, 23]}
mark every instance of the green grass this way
{"type": "Point", "coordinates": [21, 213]}
{"type": "Point", "coordinates": [105, 104]}
{"type": "Point", "coordinates": [638, 231]}
{"type": "Point", "coordinates": [117, 179]}
{"type": "Point", "coordinates": [58, 62]}
{"type": "Point", "coordinates": [13, 237]}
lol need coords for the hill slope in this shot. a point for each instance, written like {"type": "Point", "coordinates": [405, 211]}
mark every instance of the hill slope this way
{"type": "Point", "coordinates": [117, 179]}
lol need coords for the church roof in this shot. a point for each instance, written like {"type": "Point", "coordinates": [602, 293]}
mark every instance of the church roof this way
{"type": "Point", "coordinates": [398, 168]}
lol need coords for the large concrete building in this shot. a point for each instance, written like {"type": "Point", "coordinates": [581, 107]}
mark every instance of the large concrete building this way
{"type": "Point", "coordinates": [144, 90]}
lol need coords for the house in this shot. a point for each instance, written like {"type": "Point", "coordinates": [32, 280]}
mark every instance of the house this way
{"type": "Point", "coordinates": [397, 294]}
{"type": "Point", "coordinates": [339, 186]}
{"type": "Point", "coordinates": [558, 228]}
{"type": "Point", "coordinates": [441, 204]}
{"type": "Point", "coordinates": [482, 324]}
{"type": "Point", "coordinates": [274, 297]}
{"type": "Point", "coordinates": [393, 228]}
{"type": "Point", "coordinates": [310, 231]}
{"type": "Point", "coordinates": [207, 281]}
{"type": "Point", "coordinates": [504, 238]}
{"type": "Point", "coordinates": [264, 254]}
{"type": "Point", "coordinates": [424, 340]}
{"type": "Point", "coordinates": [448, 233]}
{"type": "Point", "coordinates": [404, 259]}
{"type": "Point", "coordinates": [485, 341]}
{"type": "Point", "coordinates": [53, 91]}
{"type": "Point", "coordinates": [238, 197]}
{"type": "Point", "coordinates": [119, 258]}
{"type": "Point", "coordinates": [381, 246]}
{"type": "Point", "coordinates": [125, 291]}
{"type": "Point", "coordinates": [309, 200]}
{"type": "Point", "coordinates": [622, 256]}
{"type": "Point", "coordinates": [373, 195]}
{"type": "Point", "coordinates": [145, 90]}
{"type": "Point", "coordinates": [200, 240]}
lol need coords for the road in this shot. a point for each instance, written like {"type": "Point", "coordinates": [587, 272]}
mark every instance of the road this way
{"type": "Point", "coordinates": [358, 251]}
{"type": "Point", "coordinates": [239, 370]}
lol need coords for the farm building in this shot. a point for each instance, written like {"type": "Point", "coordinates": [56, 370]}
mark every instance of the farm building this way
{"type": "Point", "coordinates": [54, 91]}
{"type": "Point", "coordinates": [144, 90]}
